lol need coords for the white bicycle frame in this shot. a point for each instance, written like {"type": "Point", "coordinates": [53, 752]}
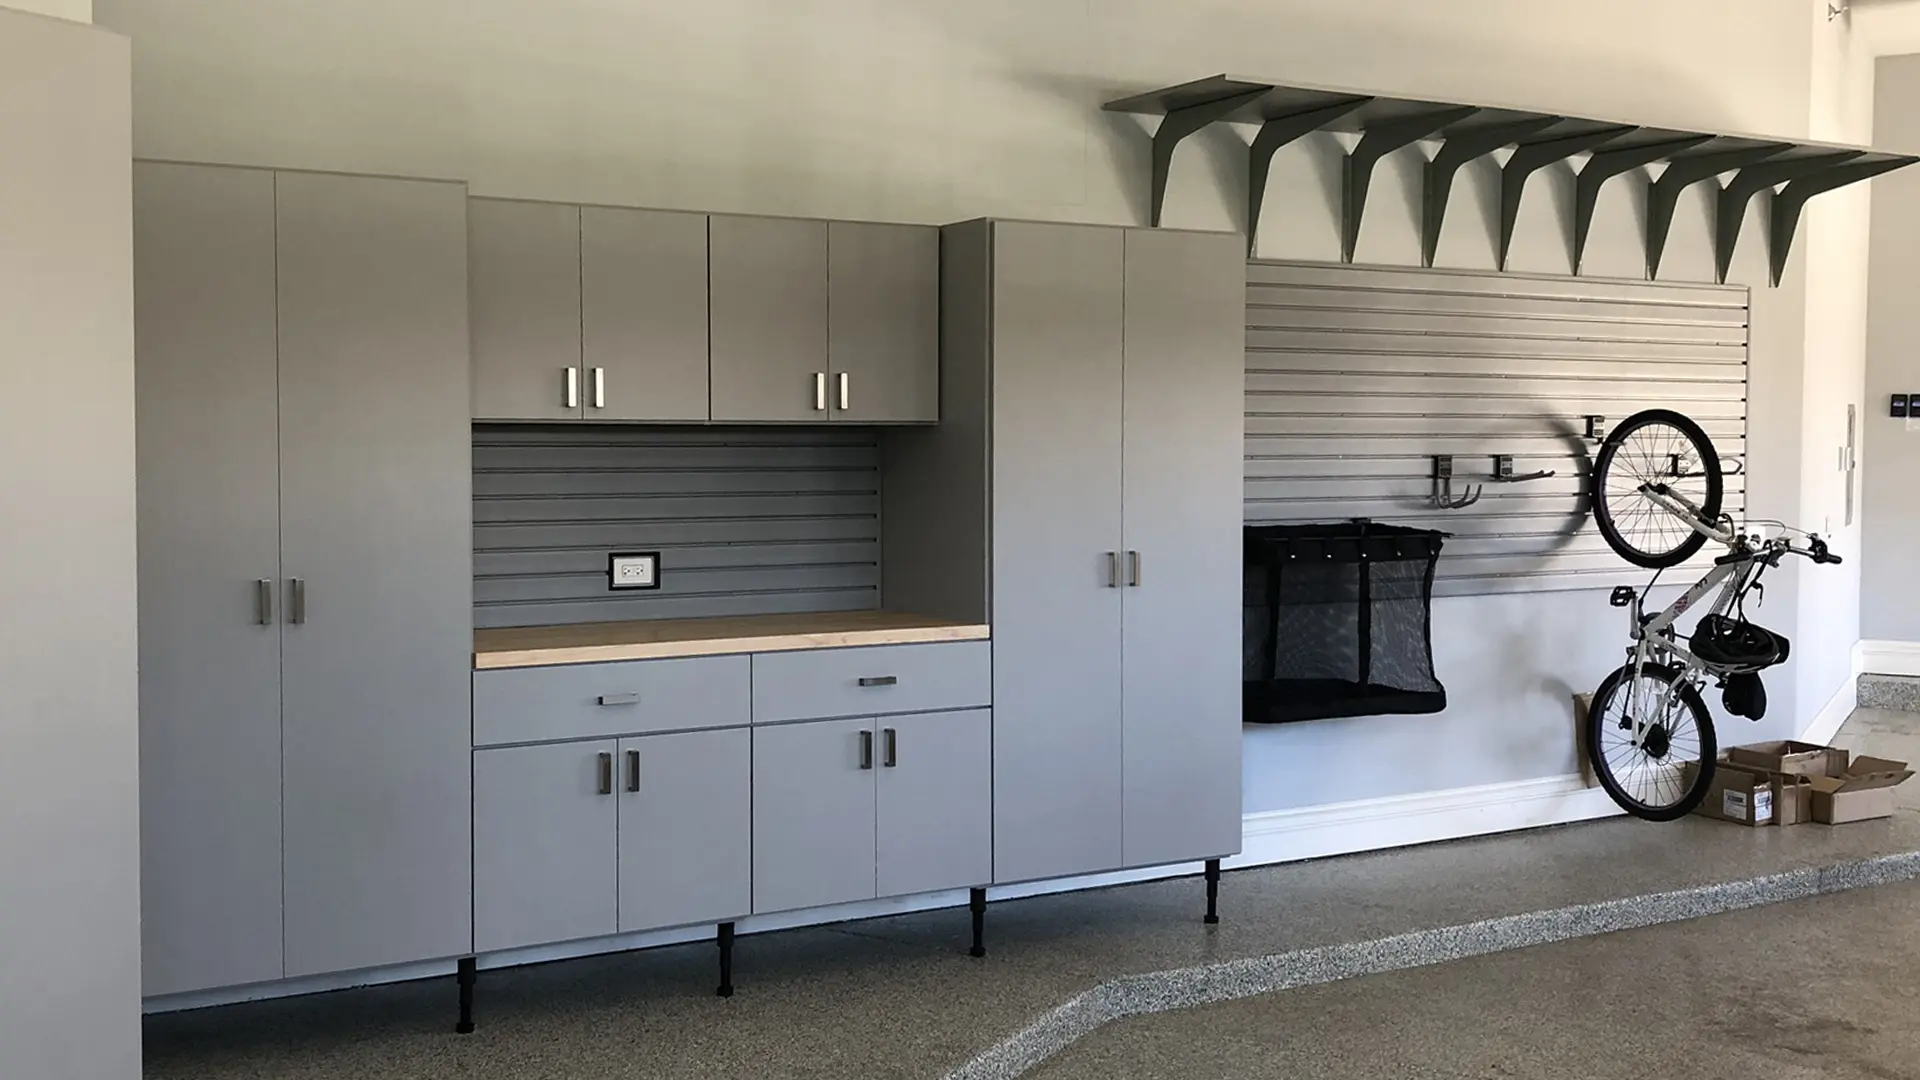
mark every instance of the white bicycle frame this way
{"type": "Point", "coordinates": [1654, 640]}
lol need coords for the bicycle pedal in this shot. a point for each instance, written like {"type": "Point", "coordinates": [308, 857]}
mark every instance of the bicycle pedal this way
{"type": "Point", "coordinates": [1622, 596]}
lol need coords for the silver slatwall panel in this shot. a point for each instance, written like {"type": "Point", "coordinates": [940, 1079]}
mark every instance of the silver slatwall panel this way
{"type": "Point", "coordinates": [1356, 376]}
{"type": "Point", "coordinates": [747, 521]}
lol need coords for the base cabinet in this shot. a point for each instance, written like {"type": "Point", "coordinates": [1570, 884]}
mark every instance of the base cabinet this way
{"type": "Point", "coordinates": [847, 810]}
{"type": "Point", "coordinates": [586, 839]}
{"type": "Point", "coordinates": [686, 828]}
{"type": "Point", "coordinates": [546, 829]}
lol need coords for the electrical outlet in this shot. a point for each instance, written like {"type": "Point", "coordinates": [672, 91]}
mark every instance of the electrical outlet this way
{"type": "Point", "coordinates": [633, 570]}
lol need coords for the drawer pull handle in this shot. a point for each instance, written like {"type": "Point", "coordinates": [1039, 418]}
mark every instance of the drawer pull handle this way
{"type": "Point", "coordinates": [606, 774]}
{"type": "Point", "coordinates": [880, 680]}
{"type": "Point", "coordinates": [619, 699]}
{"type": "Point", "coordinates": [633, 770]}
{"type": "Point", "coordinates": [893, 747]}
{"type": "Point", "coordinates": [866, 750]}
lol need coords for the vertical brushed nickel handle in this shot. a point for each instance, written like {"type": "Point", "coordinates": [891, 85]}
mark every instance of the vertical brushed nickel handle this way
{"type": "Point", "coordinates": [633, 770]}
{"type": "Point", "coordinates": [844, 380]}
{"type": "Point", "coordinates": [1113, 569]}
{"type": "Point", "coordinates": [572, 391]}
{"type": "Point", "coordinates": [263, 601]}
{"type": "Point", "coordinates": [606, 773]}
{"type": "Point", "coordinates": [819, 391]}
{"type": "Point", "coordinates": [866, 750]}
{"type": "Point", "coordinates": [599, 388]}
{"type": "Point", "coordinates": [296, 600]}
{"type": "Point", "coordinates": [1133, 569]}
{"type": "Point", "coordinates": [893, 747]}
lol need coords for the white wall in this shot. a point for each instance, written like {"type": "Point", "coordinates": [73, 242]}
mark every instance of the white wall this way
{"type": "Point", "coordinates": [1890, 611]}
{"type": "Point", "coordinates": [69, 798]}
{"type": "Point", "coordinates": [930, 110]}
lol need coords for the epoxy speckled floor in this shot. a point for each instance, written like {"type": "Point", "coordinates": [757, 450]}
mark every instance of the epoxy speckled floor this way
{"type": "Point", "coordinates": [898, 998]}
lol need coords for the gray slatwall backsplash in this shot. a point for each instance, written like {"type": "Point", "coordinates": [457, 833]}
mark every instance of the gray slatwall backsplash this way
{"type": "Point", "coordinates": [1356, 376]}
{"type": "Point", "coordinates": [749, 521]}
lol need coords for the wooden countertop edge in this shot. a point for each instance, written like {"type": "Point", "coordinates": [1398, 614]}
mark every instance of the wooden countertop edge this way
{"type": "Point", "coordinates": [664, 650]}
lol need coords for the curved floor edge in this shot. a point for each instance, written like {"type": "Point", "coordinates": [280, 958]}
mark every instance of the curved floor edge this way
{"type": "Point", "coordinates": [1184, 988]}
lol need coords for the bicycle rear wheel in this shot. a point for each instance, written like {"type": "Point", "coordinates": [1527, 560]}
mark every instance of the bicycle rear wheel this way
{"type": "Point", "coordinates": [1667, 773]}
{"type": "Point", "coordinates": [1663, 450]}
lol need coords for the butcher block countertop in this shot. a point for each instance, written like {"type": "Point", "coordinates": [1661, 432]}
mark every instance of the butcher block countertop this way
{"type": "Point", "coordinates": [589, 643]}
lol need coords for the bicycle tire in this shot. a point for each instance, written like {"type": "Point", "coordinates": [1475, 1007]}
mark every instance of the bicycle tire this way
{"type": "Point", "coordinates": [1615, 507]}
{"type": "Point", "coordinates": [1599, 725]}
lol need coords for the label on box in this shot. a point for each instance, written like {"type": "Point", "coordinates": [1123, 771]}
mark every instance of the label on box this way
{"type": "Point", "coordinates": [1734, 805]}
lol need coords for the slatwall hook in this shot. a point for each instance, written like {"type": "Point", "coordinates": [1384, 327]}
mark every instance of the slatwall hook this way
{"type": "Point", "coordinates": [1503, 471]}
{"type": "Point", "coordinates": [1443, 497]}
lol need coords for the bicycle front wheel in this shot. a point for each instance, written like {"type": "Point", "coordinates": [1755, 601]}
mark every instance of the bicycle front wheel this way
{"type": "Point", "coordinates": [1655, 449]}
{"type": "Point", "coordinates": [1665, 772]}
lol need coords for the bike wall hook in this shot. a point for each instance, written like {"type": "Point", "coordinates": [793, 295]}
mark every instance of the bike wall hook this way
{"type": "Point", "coordinates": [1503, 471]}
{"type": "Point", "coordinates": [1443, 497]}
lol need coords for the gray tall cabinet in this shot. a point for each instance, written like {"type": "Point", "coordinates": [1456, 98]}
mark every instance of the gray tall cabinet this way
{"type": "Point", "coordinates": [305, 587]}
{"type": "Point", "coordinates": [1115, 362]}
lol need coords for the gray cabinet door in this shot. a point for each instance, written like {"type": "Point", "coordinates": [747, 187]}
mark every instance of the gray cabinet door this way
{"type": "Point", "coordinates": [934, 822]}
{"type": "Point", "coordinates": [643, 325]}
{"type": "Point", "coordinates": [545, 844]}
{"type": "Point", "coordinates": [1185, 381]}
{"type": "Point", "coordinates": [812, 814]}
{"type": "Point", "coordinates": [769, 311]}
{"type": "Point", "coordinates": [686, 828]}
{"type": "Point", "coordinates": [376, 523]}
{"type": "Point", "coordinates": [883, 322]}
{"type": "Point", "coordinates": [1056, 527]}
{"type": "Point", "coordinates": [209, 516]}
{"type": "Point", "coordinates": [525, 261]}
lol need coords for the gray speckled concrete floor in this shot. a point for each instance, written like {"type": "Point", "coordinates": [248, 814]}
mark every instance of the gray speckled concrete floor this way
{"type": "Point", "coordinates": [1826, 988]}
{"type": "Point", "coordinates": [897, 997]}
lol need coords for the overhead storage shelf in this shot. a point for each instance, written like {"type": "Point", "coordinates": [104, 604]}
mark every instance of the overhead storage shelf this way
{"type": "Point", "coordinates": [1794, 171]}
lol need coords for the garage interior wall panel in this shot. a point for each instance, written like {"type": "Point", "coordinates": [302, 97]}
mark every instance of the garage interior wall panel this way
{"type": "Point", "coordinates": [746, 521]}
{"type": "Point", "coordinates": [1358, 376]}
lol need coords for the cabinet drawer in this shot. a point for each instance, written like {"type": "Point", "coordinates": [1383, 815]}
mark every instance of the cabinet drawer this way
{"type": "Point", "coordinates": [579, 701]}
{"type": "Point", "coordinates": [871, 681]}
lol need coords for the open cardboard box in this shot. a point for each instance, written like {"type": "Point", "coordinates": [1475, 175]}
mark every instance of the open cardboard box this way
{"type": "Point", "coordinates": [1862, 791]}
{"type": "Point", "coordinates": [1749, 795]}
{"type": "Point", "coordinates": [1792, 758]}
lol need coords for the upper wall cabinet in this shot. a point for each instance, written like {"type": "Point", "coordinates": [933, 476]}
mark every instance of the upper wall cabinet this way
{"type": "Point", "coordinates": [769, 311]}
{"type": "Point", "coordinates": [524, 264]}
{"type": "Point", "coordinates": [643, 324]}
{"type": "Point", "coordinates": [588, 313]}
{"type": "Point", "coordinates": [883, 322]}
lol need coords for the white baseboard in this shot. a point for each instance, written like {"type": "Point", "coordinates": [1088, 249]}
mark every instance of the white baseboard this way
{"type": "Point", "coordinates": [1888, 657]}
{"type": "Point", "coordinates": [1273, 837]}
{"type": "Point", "coordinates": [1370, 825]}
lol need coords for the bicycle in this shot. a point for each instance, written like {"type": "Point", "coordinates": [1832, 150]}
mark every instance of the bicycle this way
{"type": "Point", "coordinates": [1657, 487]}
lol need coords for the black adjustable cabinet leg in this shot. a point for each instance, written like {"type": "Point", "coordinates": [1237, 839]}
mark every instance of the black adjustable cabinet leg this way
{"type": "Point", "coordinates": [1213, 891]}
{"type": "Point", "coordinates": [467, 975]}
{"type": "Point", "coordinates": [726, 960]}
{"type": "Point", "coordinates": [977, 901]}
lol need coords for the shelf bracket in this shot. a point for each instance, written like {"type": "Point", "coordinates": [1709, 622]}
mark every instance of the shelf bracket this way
{"type": "Point", "coordinates": [1603, 166]}
{"type": "Point", "coordinates": [1730, 209]}
{"type": "Point", "coordinates": [1682, 173]}
{"type": "Point", "coordinates": [1459, 149]}
{"type": "Point", "coordinates": [1177, 125]}
{"type": "Point", "coordinates": [1790, 200]}
{"type": "Point", "coordinates": [1530, 158]}
{"type": "Point", "coordinates": [1380, 140]}
{"type": "Point", "coordinates": [1274, 134]}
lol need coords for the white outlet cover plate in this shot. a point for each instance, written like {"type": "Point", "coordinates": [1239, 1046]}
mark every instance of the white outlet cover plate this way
{"type": "Point", "coordinates": [633, 570]}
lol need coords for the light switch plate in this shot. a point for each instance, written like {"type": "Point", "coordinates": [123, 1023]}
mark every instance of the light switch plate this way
{"type": "Point", "coordinates": [633, 570]}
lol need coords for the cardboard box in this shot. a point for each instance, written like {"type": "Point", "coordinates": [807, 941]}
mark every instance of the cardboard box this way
{"type": "Point", "coordinates": [1791, 758]}
{"type": "Point", "coordinates": [1751, 796]}
{"type": "Point", "coordinates": [1863, 791]}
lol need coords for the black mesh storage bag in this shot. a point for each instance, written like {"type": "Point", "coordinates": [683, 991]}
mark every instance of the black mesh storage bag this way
{"type": "Point", "coordinates": [1338, 621]}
